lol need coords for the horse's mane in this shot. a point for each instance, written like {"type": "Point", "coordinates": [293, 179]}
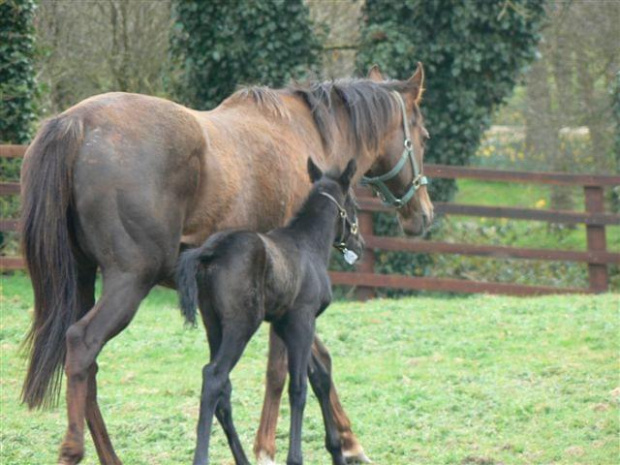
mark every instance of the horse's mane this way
{"type": "Point", "coordinates": [266, 98]}
{"type": "Point", "coordinates": [368, 105]}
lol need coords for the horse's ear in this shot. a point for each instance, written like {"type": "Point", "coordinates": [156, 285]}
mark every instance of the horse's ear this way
{"type": "Point", "coordinates": [415, 84]}
{"type": "Point", "coordinates": [314, 171]}
{"type": "Point", "coordinates": [348, 173]}
{"type": "Point", "coordinates": [374, 74]}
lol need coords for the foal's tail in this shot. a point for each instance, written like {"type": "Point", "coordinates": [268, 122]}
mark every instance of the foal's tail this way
{"type": "Point", "coordinates": [186, 279]}
{"type": "Point", "coordinates": [47, 184]}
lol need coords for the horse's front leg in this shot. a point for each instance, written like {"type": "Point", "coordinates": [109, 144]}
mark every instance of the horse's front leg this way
{"type": "Point", "coordinates": [265, 442]}
{"type": "Point", "coordinates": [351, 447]}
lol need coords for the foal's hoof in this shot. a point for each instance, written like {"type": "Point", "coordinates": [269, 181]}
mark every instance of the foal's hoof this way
{"type": "Point", "coordinates": [265, 459]}
{"type": "Point", "coordinates": [356, 455]}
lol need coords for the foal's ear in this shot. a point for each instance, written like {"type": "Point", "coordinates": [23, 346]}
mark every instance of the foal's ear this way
{"type": "Point", "coordinates": [415, 84]}
{"type": "Point", "coordinates": [314, 171]}
{"type": "Point", "coordinates": [348, 173]}
{"type": "Point", "coordinates": [374, 74]}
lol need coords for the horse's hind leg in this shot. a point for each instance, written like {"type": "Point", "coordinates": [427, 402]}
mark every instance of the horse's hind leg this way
{"type": "Point", "coordinates": [94, 419]}
{"type": "Point", "coordinates": [121, 296]}
{"type": "Point", "coordinates": [95, 422]}
{"type": "Point", "coordinates": [351, 448]}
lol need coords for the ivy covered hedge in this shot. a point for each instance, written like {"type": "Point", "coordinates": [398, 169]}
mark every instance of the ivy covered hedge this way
{"type": "Point", "coordinates": [219, 45]}
{"type": "Point", "coordinates": [615, 195]}
{"type": "Point", "coordinates": [17, 94]}
{"type": "Point", "coordinates": [17, 83]}
{"type": "Point", "coordinates": [472, 53]}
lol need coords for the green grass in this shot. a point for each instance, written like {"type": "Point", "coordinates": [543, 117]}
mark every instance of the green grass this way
{"type": "Point", "coordinates": [476, 380]}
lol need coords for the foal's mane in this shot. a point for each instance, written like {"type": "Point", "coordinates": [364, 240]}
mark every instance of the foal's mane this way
{"type": "Point", "coordinates": [306, 216]}
{"type": "Point", "coordinates": [368, 106]}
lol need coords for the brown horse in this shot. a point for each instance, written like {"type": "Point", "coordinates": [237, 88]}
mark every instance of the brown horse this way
{"type": "Point", "coordinates": [119, 181]}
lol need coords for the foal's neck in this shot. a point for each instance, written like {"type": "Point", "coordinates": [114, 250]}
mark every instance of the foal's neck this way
{"type": "Point", "coordinates": [314, 226]}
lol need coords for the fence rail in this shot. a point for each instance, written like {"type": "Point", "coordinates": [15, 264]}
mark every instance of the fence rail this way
{"type": "Point", "coordinates": [366, 280]}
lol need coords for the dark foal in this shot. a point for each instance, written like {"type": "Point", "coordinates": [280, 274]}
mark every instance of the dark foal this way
{"type": "Point", "coordinates": [240, 278]}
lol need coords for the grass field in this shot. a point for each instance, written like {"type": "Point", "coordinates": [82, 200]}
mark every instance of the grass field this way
{"type": "Point", "coordinates": [472, 380]}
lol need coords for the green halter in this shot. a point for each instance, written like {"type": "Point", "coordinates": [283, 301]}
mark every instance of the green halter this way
{"type": "Point", "coordinates": [377, 183]}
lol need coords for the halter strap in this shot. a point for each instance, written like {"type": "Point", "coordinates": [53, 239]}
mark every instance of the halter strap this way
{"type": "Point", "coordinates": [377, 183]}
{"type": "Point", "coordinates": [341, 245]}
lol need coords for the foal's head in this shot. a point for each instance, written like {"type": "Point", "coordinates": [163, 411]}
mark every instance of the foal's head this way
{"type": "Point", "coordinates": [397, 174]}
{"type": "Point", "coordinates": [336, 187]}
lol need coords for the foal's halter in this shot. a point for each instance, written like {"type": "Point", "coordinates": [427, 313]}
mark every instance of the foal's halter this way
{"type": "Point", "coordinates": [377, 183]}
{"type": "Point", "coordinates": [352, 229]}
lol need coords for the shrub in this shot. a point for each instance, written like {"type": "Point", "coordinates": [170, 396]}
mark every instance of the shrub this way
{"type": "Point", "coordinates": [219, 45]}
{"type": "Point", "coordinates": [17, 82]}
{"type": "Point", "coordinates": [17, 93]}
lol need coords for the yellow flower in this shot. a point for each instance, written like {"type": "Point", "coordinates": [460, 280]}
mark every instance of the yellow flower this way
{"type": "Point", "coordinates": [541, 203]}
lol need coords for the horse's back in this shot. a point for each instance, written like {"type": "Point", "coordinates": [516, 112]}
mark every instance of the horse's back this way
{"type": "Point", "coordinates": [134, 178]}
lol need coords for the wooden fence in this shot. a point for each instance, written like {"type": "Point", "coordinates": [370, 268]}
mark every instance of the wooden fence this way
{"type": "Point", "coordinates": [597, 257]}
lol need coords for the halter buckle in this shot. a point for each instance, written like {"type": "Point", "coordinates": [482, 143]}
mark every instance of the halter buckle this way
{"type": "Point", "coordinates": [408, 144]}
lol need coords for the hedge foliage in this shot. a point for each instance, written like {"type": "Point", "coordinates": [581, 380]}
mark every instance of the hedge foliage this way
{"type": "Point", "coordinates": [221, 44]}
{"type": "Point", "coordinates": [17, 76]}
{"type": "Point", "coordinates": [615, 196]}
{"type": "Point", "coordinates": [472, 53]}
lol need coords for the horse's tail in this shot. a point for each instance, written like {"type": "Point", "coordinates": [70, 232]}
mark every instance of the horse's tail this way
{"type": "Point", "coordinates": [186, 279]}
{"type": "Point", "coordinates": [46, 240]}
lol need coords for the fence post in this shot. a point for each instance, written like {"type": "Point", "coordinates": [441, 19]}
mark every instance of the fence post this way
{"type": "Point", "coordinates": [595, 234]}
{"type": "Point", "coordinates": [367, 264]}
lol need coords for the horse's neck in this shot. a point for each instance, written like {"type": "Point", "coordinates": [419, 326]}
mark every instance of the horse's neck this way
{"type": "Point", "coordinates": [296, 124]}
{"type": "Point", "coordinates": [343, 149]}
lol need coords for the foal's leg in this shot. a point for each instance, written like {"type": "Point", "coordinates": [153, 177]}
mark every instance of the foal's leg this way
{"type": "Point", "coordinates": [297, 333]}
{"type": "Point", "coordinates": [320, 382]}
{"type": "Point", "coordinates": [351, 448]}
{"type": "Point", "coordinates": [265, 442]}
{"type": "Point", "coordinates": [223, 410]}
{"type": "Point", "coordinates": [119, 301]}
{"type": "Point", "coordinates": [215, 378]}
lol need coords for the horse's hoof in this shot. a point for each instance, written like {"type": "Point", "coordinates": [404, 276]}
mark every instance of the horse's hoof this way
{"type": "Point", "coordinates": [356, 455]}
{"type": "Point", "coordinates": [71, 452]}
{"type": "Point", "coordinates": [265, 459]}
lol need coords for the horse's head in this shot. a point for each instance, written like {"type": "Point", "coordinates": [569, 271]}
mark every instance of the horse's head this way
{"type": "Point", "coordinates": [348, 240]}
{"type": "Point", "coordinates": [397, 174]}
